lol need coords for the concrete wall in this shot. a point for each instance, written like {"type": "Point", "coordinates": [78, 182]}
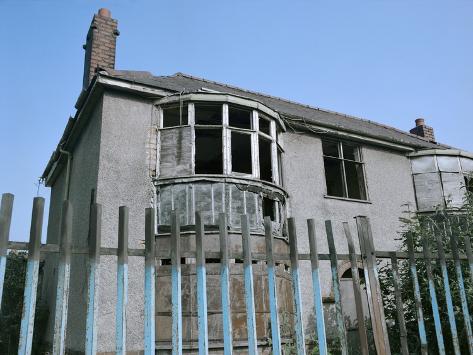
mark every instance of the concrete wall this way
{"type": "Point", "coordinates": [123, 179]}
{"type": "Point", "coordinates": [389, 185]}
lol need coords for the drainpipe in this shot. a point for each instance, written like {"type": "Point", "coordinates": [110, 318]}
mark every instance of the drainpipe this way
{"type": "Point", "coordinates": [68, 172]}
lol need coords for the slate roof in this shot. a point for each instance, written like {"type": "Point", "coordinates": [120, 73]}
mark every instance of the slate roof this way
{"type": "Point", "coordinates": [288, 109]}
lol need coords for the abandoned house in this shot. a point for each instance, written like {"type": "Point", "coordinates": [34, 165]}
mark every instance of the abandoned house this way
{"type": "Point", "coordinates": [189, 144]}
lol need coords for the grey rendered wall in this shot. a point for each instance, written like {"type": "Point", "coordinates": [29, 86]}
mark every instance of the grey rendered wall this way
{"type": "Point", "coordinates": [124, 179]}
{"type": "Point", "coordinates": [390, 188]}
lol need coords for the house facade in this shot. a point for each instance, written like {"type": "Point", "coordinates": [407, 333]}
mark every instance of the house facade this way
{"type": "Point", "coordinates": [189, 144]}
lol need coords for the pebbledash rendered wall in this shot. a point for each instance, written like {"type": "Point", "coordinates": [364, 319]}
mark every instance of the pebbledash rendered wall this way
{"type": "Point", "coordinates": [114, 155]}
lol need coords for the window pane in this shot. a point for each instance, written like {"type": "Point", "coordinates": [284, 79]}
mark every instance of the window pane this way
{"type": "Point", "coordinates": [355, 180]}
{"type": "Point", "coordinates": [351, 152]}
{"type": "Point", "coordinates": [265, 159]}
{"type": "Point", "coordinates": [264, 125]}
{"type": "Point", "coordinates": [239, 117]}
{"type": "Point", "coordinates": [208, 151]}
{"type": "Point", "coordinates": [280, 166]}
{"type": "Point", "coordinates": [208, 114]}
{"type": "Point", "coordinates": [175, 116]}
{"type": "Point", "coordinates": [333, 177]}
{"type": "Point", "coordinates": [330, 148]}
{"type": "Point", "coordinates": [241, 153]}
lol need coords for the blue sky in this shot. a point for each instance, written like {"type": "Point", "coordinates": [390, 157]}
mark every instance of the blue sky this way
{"type": "Point", "coordinates": [388, 61]}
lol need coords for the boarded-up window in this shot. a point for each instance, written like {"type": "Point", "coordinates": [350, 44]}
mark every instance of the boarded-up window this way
{"type": "Point", "coordinates": [265, 169]}
{"type": "Point", "coordinates": [343, 170]}
{"type": "Point", "coordinates": [175, 152]}
{"type": "Point", "coordinates": [175, 115]}
{"type": "Point", "coordinates": [208, 151]}
{"type": "Point", "coordinates": [241, 153]}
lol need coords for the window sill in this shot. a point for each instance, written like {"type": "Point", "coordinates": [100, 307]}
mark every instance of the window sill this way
{"type": "Point", "coordinates": [347, 199]}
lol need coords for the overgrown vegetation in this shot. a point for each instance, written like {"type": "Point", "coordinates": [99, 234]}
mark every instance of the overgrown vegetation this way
{"type": "Point", "coordinates": [443, 223]}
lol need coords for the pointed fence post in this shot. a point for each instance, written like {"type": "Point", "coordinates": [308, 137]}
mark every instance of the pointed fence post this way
{"type": "Point", "coordinates": [176, 284]}
{"type": "Point", "coordinates": [225, 286]}
{"type": "Point", "coordinates": [95, 236]}
{"type": "Point", "coordinates": [296, 287]}
{"type": "Point", "coordinates": [318, 302]}
{"type": "Point", "coordinates": [31, 282]}
{"type": "Point", "coordinates": [122, 280]}
{"type": "Point", "coordinates": [64, 272]}
{"type": "Point", "coordinates": [342, 333]}
{"type": "Point", "coordinates": [201, 286]}
{"type": "Point", "coordinates": [357, 291]}
{"type": "Point", "coordinates": [150, 275]}
{"type": "Point", "coordinates": [273, 298]}
{"type": "Point", "coordinates": [249, 287]}
{"type": "Point", "coordinates": [373, 288]}
{"type": "Point", "coordinates": [6, 209]}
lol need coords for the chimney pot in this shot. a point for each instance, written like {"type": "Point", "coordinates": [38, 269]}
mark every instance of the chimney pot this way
{"type": "Point", "coordinates": [420, 122]}
{"type": "Point", "coordinates": [105, 12]}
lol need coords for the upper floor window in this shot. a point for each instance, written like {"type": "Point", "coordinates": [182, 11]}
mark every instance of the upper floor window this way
{"type": "Point", "coordinates": [344, 174]}
{"type": "Point", "coordinates": [175, 115]}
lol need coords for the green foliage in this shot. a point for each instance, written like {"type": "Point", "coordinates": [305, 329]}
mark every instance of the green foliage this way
{"type": "Point", "coordinates": [443, 223]}
{"type": "Point", "coordinates": [12, 305]}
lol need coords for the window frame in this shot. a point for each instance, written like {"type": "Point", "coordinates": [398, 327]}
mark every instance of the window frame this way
{"type": "Point", "coordinates": [342, 160]}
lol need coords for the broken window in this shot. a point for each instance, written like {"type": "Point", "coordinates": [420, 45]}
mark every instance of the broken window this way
{"type": "Point", "coordinates": [269, 208]}
{"type": "Point", "coordinates": [264, 125]}
{"type": "Point", "coordinates": [239, 117]}
{"type": "Point", "coordinates": [265, 169]}
{"type": "Point", "coordinates": [175, 115]}
{"type": "Point", "coordinates": [241, 153]}
{"type": "Point", "coordinates": [469, 184]}
{"type": "Point", "coordinates": [208, 151]}
{"type": "Point", "coordinates": [208, 114]}
{"type": "Point", "coordinates": [343, 170]}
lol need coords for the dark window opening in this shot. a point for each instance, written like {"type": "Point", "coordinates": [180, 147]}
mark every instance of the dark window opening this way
{"type": "Point", "coordinates": [175, 115]}
{"type": "Point", "coordinates": [212, 261]}
{"type": "Point", "coordinates": [165, 262]}
{"type": "Point", "coordinates": [348, 274]}
{"type": "Point", "coordinates": [239, 117]}
{"type": "Point", "coordinates": [280, 166]}
{"type": "Point", "coordinates": [269, 208]}
{"type": "Point", "coordinates": [469, 184]}
{"type": "Point", "coordinates": [208, 114]}
{"type": "Point", "coordinates": [343, 170]}
{"type": "Point", "coordinates": [208, 151]}
{"type": "Point", "coordinates": [330, 149]}
{"type": "Point", "coordinates": [334, 177]}
{"type": "Point", "coordinates": [265, 169]}
{"type": "Point", "coordinates": [264, 125]}
{"type": "Point", "coordinates": [355, 182]}
{"type": "Point", "coordinates": [241, 153]}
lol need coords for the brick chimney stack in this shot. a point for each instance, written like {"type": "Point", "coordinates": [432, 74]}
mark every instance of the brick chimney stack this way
{"type": "Point", "coordinates": [422, 130]}
{"type": "Point", "coordinates": [100, 46]}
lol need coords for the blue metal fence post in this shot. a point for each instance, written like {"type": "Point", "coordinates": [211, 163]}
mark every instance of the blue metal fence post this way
{"type": "Point", "coordinates": [448, 294]}
{"type": "Point", "coordinates": [273, 298]}
{"type": "Point", "coordinates": [176, 284]}
{"type": "Point", "coordinates": [342, 334]}
{"type": "Point", "coordinates": [318, 303]}
{"type": "Point", "coordinates": [31, 282]}
{"type": "Point", "coordinates": [418, 300]}
{"type": "Point", "coordinates": [201, 286]}
{"type": "Point", "coordinates": [64, 271]}
{"type": "Point", "coordinates": [433, 296]}
{"type": "Point", "coordinates": [225, 286]}
{"type": "Point", "coordinates": [249, 288]}
{"type": "Point", "coordinates": [122, 281]}
{"type": "Point", "coordinates": [150, 274]}
{"type": "Point", "coordinates": [296, 287]}
{"type": "Point", "coordinates": [461, 288]}
{"type": "Point", "coordinates": [6, 209]}
{"type": "Point", "coordinates": [95, 236]}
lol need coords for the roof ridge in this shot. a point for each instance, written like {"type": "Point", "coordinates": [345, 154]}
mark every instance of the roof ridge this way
{"type": "Point", "coordinates": [297, 103]}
